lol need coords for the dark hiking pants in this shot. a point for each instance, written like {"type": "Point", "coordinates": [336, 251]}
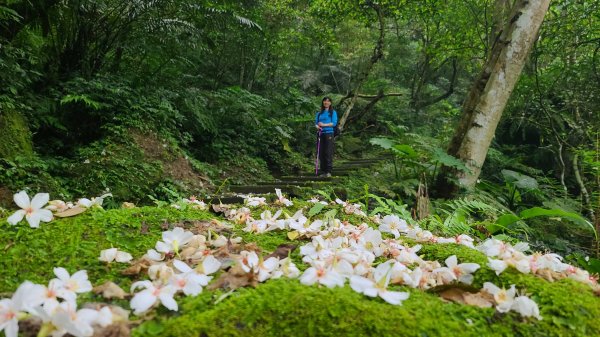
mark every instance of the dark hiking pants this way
{"type": "Point", "coordinates": [326, 153]}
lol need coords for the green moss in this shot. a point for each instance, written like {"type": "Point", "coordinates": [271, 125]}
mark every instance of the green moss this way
{"type": "Point", "coordinates": [75, 243]}
{"type": "Point", "coordinates": [15, 138]}
{"type": "Point", "coordinates": [567, 305]}
{"type": "Point", "coordinates": [285, 307]}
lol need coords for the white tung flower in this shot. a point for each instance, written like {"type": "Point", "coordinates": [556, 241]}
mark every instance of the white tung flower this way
{"type": "Point", "coordinates": [208, 266]}
{"type": "Point", "coordinates": [504, 298]}
{"type": "Point", "coordinates": [113, 254]}
{"type": "Point", "coordinates": [32, 210]}
{"type": "Point", "coordinates": [526, 307]}
{"type": "Point", "coordinates": [152, 294]}
{"type": "Point", "coordinates": [321, 274]}
{"type": "Point", "coordinates": [174, 240]}
{"type": "Point", "coordinates": [286, 268]}
{"type": "Point", "coordinates": [189, 281]}
{"type": "Point", "coordinates": [281, 199]}
{"type": "Point", "coordinates": [26, 298]}
{"type": "Point", "coordinates": [68, 319]}
{"type": "Point", "coordinates": [254, 201]}
{"type": "Point", "coordinates": [378, 287]}
{"type": "Point", "coordinates": [393, 224]}
{"type": "Point", "coordinates": [497, 265]}
{"type": "Point", "coordinates": [464, 271]}
{"type": "Point", "coordinates": [266, 268]}
{"type": "Point", "coordinates": [76, 283]}
{"type": "Point", "coordinates": [249, 261]}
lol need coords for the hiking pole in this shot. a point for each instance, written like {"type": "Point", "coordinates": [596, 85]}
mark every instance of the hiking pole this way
{"type": "Point", "coordinates": [318, 151]}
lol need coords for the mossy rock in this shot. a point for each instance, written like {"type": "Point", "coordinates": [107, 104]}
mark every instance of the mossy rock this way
{"type": "Point", "coordinates": [15, 138]}
{"type": "Point", "coordinates": [287, 308]}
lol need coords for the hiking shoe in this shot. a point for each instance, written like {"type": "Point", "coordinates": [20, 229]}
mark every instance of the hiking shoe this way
{"type": "Point", "coordinates": [328, 175]}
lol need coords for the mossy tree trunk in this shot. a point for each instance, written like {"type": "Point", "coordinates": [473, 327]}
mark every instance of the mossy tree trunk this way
{"type": "Point", "coordinates": [15, 137]}
{"type": "Point", "coordinates": [489, 94]}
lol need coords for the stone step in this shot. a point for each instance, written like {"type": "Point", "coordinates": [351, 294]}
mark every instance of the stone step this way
{"type": "Point", "coordinates": [304, 183]}
{"type": "Point", "coordinates": [360, 163]}
{"type": "Point", "coordinates": [342, 170]}
{"type": "Point", "coordinates": [366, 160]}
{"type": "Point", "coordinates": [262, 189]}
{"type": "Point", "coordinates": [226, 200]}
{"type": "Point", "coordinates": [307, 177]}
{"type": "Point", "coordinates": [351, 167]}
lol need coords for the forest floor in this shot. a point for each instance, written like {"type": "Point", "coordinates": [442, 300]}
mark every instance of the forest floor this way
{"type": "Point", "coordinates": [291, 297]}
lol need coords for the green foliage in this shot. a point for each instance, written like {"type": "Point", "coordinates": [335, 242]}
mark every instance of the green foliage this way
{"type": "Point", "coordinates": [460, 216]}
{"type": "Point", "coordinates": [315, 209]}
{"type": "Point", "coordinates": [507, 219]}
{"type": "Point", "coordinates": [389, 206]}
{"type": "Point", "coordinates": [31, 173]}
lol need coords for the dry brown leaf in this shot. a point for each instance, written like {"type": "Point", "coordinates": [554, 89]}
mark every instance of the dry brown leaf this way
{"type": "Point", "coordinates": [120, 329]}
{"type": "Point", "coordinates": [481, 299]}
{"type": "Point", "coordinates": [188, 252]}
{"type": "Point", "coordinates": [234, 278]}
{"type": "Point", "coordinates": [282, 251]}
{"type": "Point", "coordinates": [220, 208]}
{"type": "Point", "coordinates": [549, 275]}
{"type": "Point", "coordinates": [252, 247]}
{"type": "Point", "coordinates": [164, 226]}
{"type": "Point", "coordinates": [119, 314]}
{"type": "Point", "coordinates": [144, 228]}
{"type": "Point", "coordinates": [126, 204]}
{"type": "Point", "coordinates": [137, 267]}
{"type": "Point", "coordinates": [71, 212]}
{"type": "Point", "coordinates": [453, 295]}
{"type": "Point", "coordinates": [30, 326]}
{"type": "Point", "coordinates": [110, 290]}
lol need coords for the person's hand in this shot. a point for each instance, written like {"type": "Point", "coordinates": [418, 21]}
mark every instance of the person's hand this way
{"type": "Point", "coordinates": [318, 127]}
{"type": "Point", "coordinates": [320, 124]}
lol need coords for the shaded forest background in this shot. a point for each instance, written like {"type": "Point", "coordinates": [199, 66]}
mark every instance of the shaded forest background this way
{"type": "Point", "coordinates": [151, 100]}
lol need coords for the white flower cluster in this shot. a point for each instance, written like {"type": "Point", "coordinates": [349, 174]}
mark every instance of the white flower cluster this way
{"type": "Point", "coordinates": [170, 276]}
{"type": "Point", "coordinates": [315, 200]}
{"type": "Point", "coordinates": [56, 306]}
{"type": "Point", "coordinates": [269, 222]}
{"type": "Point", "coordinates": [113, 254]}
{"type": "Point", "coordinates": [252, 201]}
{"type": "Point", "coordinates": [501, 255]}
{"type": "Point", "coordinates": [351, 208]}
{"type": "Point", "coordinates": [281, 200]}
{"type": "Point", "coordinates": [272, 267]}
{"type": "Point", "coordinates": [343, 251]}
{"type": "Point", "coordinates": [34, 211]}
{"type": "Point", "coordinates": [193, 202]}
{"type": "Point", "coordinates": [506, 300]}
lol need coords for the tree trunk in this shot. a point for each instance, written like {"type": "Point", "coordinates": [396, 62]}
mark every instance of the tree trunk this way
{"type": "Point", "coordinates": [585, 195]}
{"type": "Point", "coordinates": [489, 94]}
{"type": "Point", "coordinates": [362, 77]}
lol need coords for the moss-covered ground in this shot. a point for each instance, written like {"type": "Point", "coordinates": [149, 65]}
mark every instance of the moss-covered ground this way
{"type": "Point", "coordinates": [283, 307]}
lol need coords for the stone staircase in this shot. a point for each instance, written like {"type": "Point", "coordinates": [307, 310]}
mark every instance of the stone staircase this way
{"type": "Point", "coordinates": [295, 185]}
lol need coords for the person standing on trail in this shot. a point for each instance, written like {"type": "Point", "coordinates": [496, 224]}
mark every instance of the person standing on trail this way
{"type": "Point", "coordinates": [326, 123]}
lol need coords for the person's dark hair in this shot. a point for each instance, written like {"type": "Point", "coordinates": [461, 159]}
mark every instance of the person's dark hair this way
{"type": "Point", "coordinates": [326, 98]}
